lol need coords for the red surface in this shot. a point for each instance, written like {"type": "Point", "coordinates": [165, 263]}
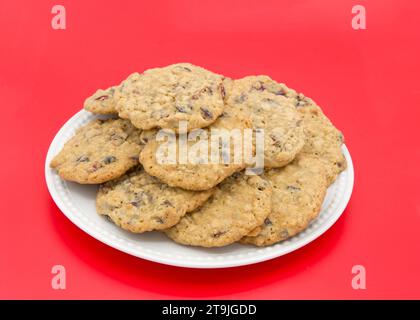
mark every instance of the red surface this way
{"type": "Point", "coordinates": [366, 81]}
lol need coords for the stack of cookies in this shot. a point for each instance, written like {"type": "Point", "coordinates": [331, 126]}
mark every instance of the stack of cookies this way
{"type": "Point", "coordinates": [204, 203]}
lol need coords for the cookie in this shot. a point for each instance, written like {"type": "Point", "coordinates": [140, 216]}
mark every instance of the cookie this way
{"type": "Point", "coordinates": [197, 175]}
{"type": "Point", "coordinates": [99, 151]}
{"type": "Point", "coordinates": [267, 103]}
{"type": "Point", "coordinates": [102, 101]}
{"type": "Point", "coordinates": [298, 193]}
{"type": "Point", "coordinates": [105, 101]}
{"type": "Point", "coordinates": [323, 140]}
{"type": "Point", "coordinates": [161, 97]}
{"type": "Point", "coordinates": [138, 202]}
{"type": "Point", "coordinates": [239, 205]}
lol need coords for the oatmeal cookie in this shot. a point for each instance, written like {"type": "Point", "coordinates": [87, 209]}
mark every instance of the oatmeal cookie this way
{"type": "Point", "coordinates": [104, 101]}
{"type": "Point", "coordinates": [239, 205]}
{"type": "Point", "coordinates": [138, 202]}
{"type": "Point", "coordinates": [323, 139]}
{"type": "Point", "coordinates": [99, 151]}
{"type": "Point", "coordinates": [161, 97]}
{"type": "Point", "coordinates": [269, 107]}
{"type": "Point", "coordinates": [298, 193]}
{"type": "Point", "coordinates": [198, 175]}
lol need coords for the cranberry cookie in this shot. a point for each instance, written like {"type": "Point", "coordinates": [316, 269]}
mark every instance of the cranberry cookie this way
{"type": "Point", "coordinates": [323, 139]}
{"type": "Point", "coordinates": [239, 205]}
{"type": "Point", "coordinates": [298, 192]}
{"type": "Point", "coordinates": [138, 202]}
{"type": "Point", "coordinates": [197, 175]}
{"type": "Point", "coordinates": [161, 97]}
{"type": "Point", "coordinates": [100, 151]}
{"type": "Point", "coordinates": [269, 107]}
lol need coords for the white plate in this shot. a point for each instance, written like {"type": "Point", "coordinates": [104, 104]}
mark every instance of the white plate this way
{"type": "Point", "coordinates": [77, 202]}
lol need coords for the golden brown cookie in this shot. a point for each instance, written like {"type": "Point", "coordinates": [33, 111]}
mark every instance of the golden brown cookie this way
{"type": "Point", "coordinates": [102, 101]}
{"type": "Point", "coordinates": [298, 192]}
{"type": "Point", "coordinates": [323, 139]}
{"type": "Point", "coordinates": [138, 202]}
{"type": "Point", "coordinates": [99, 151]}
{"type": "Point", "coordinates": [269, 107]}
{"type": "Point", "coordinates": [200, 175]}
{"type": "Point", "coordinates": [161, 97]}
{"type": "Point", "coordinates": [239, 205]}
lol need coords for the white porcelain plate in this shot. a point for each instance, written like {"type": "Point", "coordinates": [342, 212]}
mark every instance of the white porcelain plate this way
{"type": "Point", "coordinates": [77, 202]}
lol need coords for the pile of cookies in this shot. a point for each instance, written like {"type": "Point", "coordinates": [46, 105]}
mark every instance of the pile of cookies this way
{"type": "Point", "coordinates": [204, 204]}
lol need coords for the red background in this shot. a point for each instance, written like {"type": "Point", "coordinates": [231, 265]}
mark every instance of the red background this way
{"type": "Point", "coordinates": [366, 81]}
